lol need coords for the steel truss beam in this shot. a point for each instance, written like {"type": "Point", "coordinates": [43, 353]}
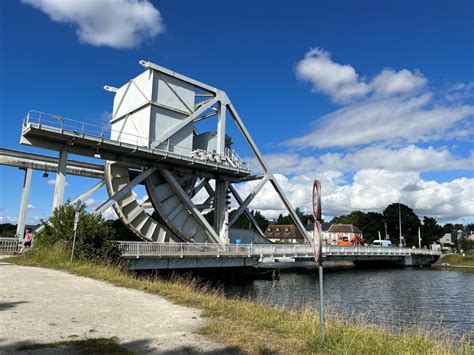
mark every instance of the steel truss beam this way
{"type": "Point", "coordinates": [118, 196]}
{"type": "Point", "coordinates": [268, 173]}
{"type": "Point", "coordinates": [183, 196]}
{"type": "Point", "coordinates": [246, 211]}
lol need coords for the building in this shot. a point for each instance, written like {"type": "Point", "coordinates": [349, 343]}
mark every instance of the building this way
{"type": "Point", "coordinates": [284, 233]}
{"type": "Point", "coordinates": [342, 232]}
{"type": "Point", "coordinates": [324, 229]}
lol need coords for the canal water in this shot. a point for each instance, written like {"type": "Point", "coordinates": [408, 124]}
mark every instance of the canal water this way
{"type": "Point", "coordinates": [393, 297]}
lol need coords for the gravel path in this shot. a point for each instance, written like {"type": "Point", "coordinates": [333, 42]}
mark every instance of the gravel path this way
{"type": "Point", "coordinates": [41, 305]}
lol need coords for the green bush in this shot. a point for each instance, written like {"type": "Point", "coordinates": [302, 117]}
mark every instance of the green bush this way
{"type": "Point", "coordinates": [94, 239]}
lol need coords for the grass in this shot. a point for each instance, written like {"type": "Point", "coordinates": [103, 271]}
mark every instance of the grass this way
{"type": "Point", "coordinates": [256, 327]}
{"type": "Point", "coordinates": [85, 346]}
{"type": "Point", "coordinates": [458, 260]}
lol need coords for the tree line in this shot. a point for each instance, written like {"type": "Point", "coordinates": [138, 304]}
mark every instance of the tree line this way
{"type": "Point", "coordinates": [370, 223]}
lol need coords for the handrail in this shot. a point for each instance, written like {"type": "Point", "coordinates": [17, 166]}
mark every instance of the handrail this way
{"type": "Point", "coordinates": [84, 128]}
{"type": "Point", "coordinates": [260, 250]}
{"type": "Point", "coordinates": [9, 245]}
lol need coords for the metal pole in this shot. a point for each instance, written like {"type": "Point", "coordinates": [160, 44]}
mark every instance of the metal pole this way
{"type": "Point", "coordinates": [419, 237]}
{"type": "Point", "coordinates": [76, 221]}
{"type": "Point", "coordinates": [321, 300]}
{"type": "Point", "coordinates": [400, 225]}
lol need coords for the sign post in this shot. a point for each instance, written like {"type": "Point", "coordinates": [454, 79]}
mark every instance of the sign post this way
{"type": "Point", "coordinates": [317, 248]}
{"type": "Point", "coordinates": [76, 221]}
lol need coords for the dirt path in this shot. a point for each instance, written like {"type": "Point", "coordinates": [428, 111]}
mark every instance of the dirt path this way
{"type": "Point", "coordinates": [42, 305]}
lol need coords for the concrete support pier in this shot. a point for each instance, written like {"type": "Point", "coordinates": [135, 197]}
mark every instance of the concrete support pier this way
{"type": "Point", "coordinates": [25, 195]}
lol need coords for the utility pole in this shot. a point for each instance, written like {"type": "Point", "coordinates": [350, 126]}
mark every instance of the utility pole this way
{"type": "Point", "coordinates": [400, 225]}
{"type": "Point", "coordinates": [386, 235]}
{"type": "Point", "coordinates": [419, 237]}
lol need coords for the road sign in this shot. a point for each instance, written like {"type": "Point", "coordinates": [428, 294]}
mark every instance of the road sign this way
{"type": "Point", "coordinates": [76, 221]}
{"type": "Point", "coordinates": [317, 200]}
{"type": "Point", "coordinates": [317, 241]}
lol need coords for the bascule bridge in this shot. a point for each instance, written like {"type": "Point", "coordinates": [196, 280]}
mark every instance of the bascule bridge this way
{"type": "Point", "coordinates": [153, 141]}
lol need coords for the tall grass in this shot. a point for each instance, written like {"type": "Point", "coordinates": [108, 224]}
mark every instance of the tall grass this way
{"type": "Point", "coordinates": [256, 327]}
{"type": "Point", "coordinates": [458, 260]}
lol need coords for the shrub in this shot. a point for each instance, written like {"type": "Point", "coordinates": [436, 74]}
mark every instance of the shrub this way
{"type": "Point", "coordinates": [94, 239]}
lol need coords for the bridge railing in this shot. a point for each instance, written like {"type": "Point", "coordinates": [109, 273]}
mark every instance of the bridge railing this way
{"type": "Point", "coordinates": [59, 124]}
{"type": "Point", "coordinates": [9, 246]}
{"type": "Point", "coordinates": [137, 249]}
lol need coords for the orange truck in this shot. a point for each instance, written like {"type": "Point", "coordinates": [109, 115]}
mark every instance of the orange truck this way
{"type": "Point", "coordinates": [343, 240]}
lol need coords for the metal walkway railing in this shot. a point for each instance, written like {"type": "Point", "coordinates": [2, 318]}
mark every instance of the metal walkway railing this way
{"type": "Point", "coordinates": [9, 246]}
{"type": "Point", "coordinates": [61, 124]}
{"type": "Point", "coordinates": [138, 249]}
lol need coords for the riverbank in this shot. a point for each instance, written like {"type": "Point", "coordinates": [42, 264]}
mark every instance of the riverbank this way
{"type": "Point", "coordinates": [255, 327]}
{"type": "Point", "coordinates": [456, 261]}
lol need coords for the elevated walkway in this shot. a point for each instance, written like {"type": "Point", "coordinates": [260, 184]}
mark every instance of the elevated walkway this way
{"type": "Point", "coordinates": [57, 133]}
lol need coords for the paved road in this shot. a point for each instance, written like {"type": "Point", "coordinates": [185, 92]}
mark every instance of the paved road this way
{"type": "Point", "coordinates": [42, 305]}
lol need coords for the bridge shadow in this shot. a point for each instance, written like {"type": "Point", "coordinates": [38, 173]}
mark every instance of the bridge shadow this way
{"type": "Point", "coordinates": [8, 305]}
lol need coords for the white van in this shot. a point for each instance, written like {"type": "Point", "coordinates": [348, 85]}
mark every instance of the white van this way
{"type": "Point", "coordinates": [382, 243]}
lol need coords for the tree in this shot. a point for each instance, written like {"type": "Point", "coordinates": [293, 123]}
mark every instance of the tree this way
{"type": "Point", "coordinates": [95, 237]}
{"type": "Point", "coordinates": [242, 222]}
{"type": "Point", "coordinates": [369, 223]}
{"type": "Point", "coordinates": [410, 223]}
{"type": "Point", "coordinates": [431, 231]}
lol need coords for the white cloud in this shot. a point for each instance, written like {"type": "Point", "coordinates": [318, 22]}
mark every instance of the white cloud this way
{"type": "Point", "coordinates": [396, 119]}
{"type": "Point", "coordinates": [408, 158]}
{"type": "Point", "coordinates": [8, 219]}
{"type": "Point", "coordinates": [52, 182]}
{"type": "Point", "coordinates": [343, 85]}
{"type": "Point", "coordinates": [31, 207]}
{"type": "Point", "coordinates": [393, 107]}
{"type": "Point", "coordinates": [390, 82]}
{"type": "Point", "coordinates": [109, 213]}
{"type": "Point", "coordinates": [340, 82]}
{"type": "Point", "coordinates": [371, 190]}
{"type": "Point", "coordinates": [111, 23]}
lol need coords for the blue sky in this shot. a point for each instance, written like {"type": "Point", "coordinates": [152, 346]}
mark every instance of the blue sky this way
{"type": "Point", "coordinates": [375, 98]}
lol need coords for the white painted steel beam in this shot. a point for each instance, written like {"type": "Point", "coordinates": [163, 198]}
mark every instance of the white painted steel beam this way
{"type": "Point", "coordinates": [169, 72]}
{"type": "Point", "coordinates": [259, 157]}
{"type": "Point", "coordinates": [220, 144]}
{"type": "Point", "coordinates": [246, 211]}
{"type": "Point", "coordinates": [183, 196]}
{"type": "Point", "coordinates": [290, 209]}
{"type": "Point", "coordinates": [25, 194]}
{"type": "Point", "coordinates": [247, 201]}
{"type": "Point", "coordinates": [89, 192]}
{"type": "Point", "coordinates": [175, 129]}
{"type": "Point", "coordinates": [58, 198]}
{"type": "Point", "coordinates": [119, 195]}
{"type": "Point", "coordinates": [27, 160]}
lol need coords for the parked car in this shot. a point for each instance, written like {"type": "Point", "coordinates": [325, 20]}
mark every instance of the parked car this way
{"type": "Point", "coordinates": [382, 243]}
